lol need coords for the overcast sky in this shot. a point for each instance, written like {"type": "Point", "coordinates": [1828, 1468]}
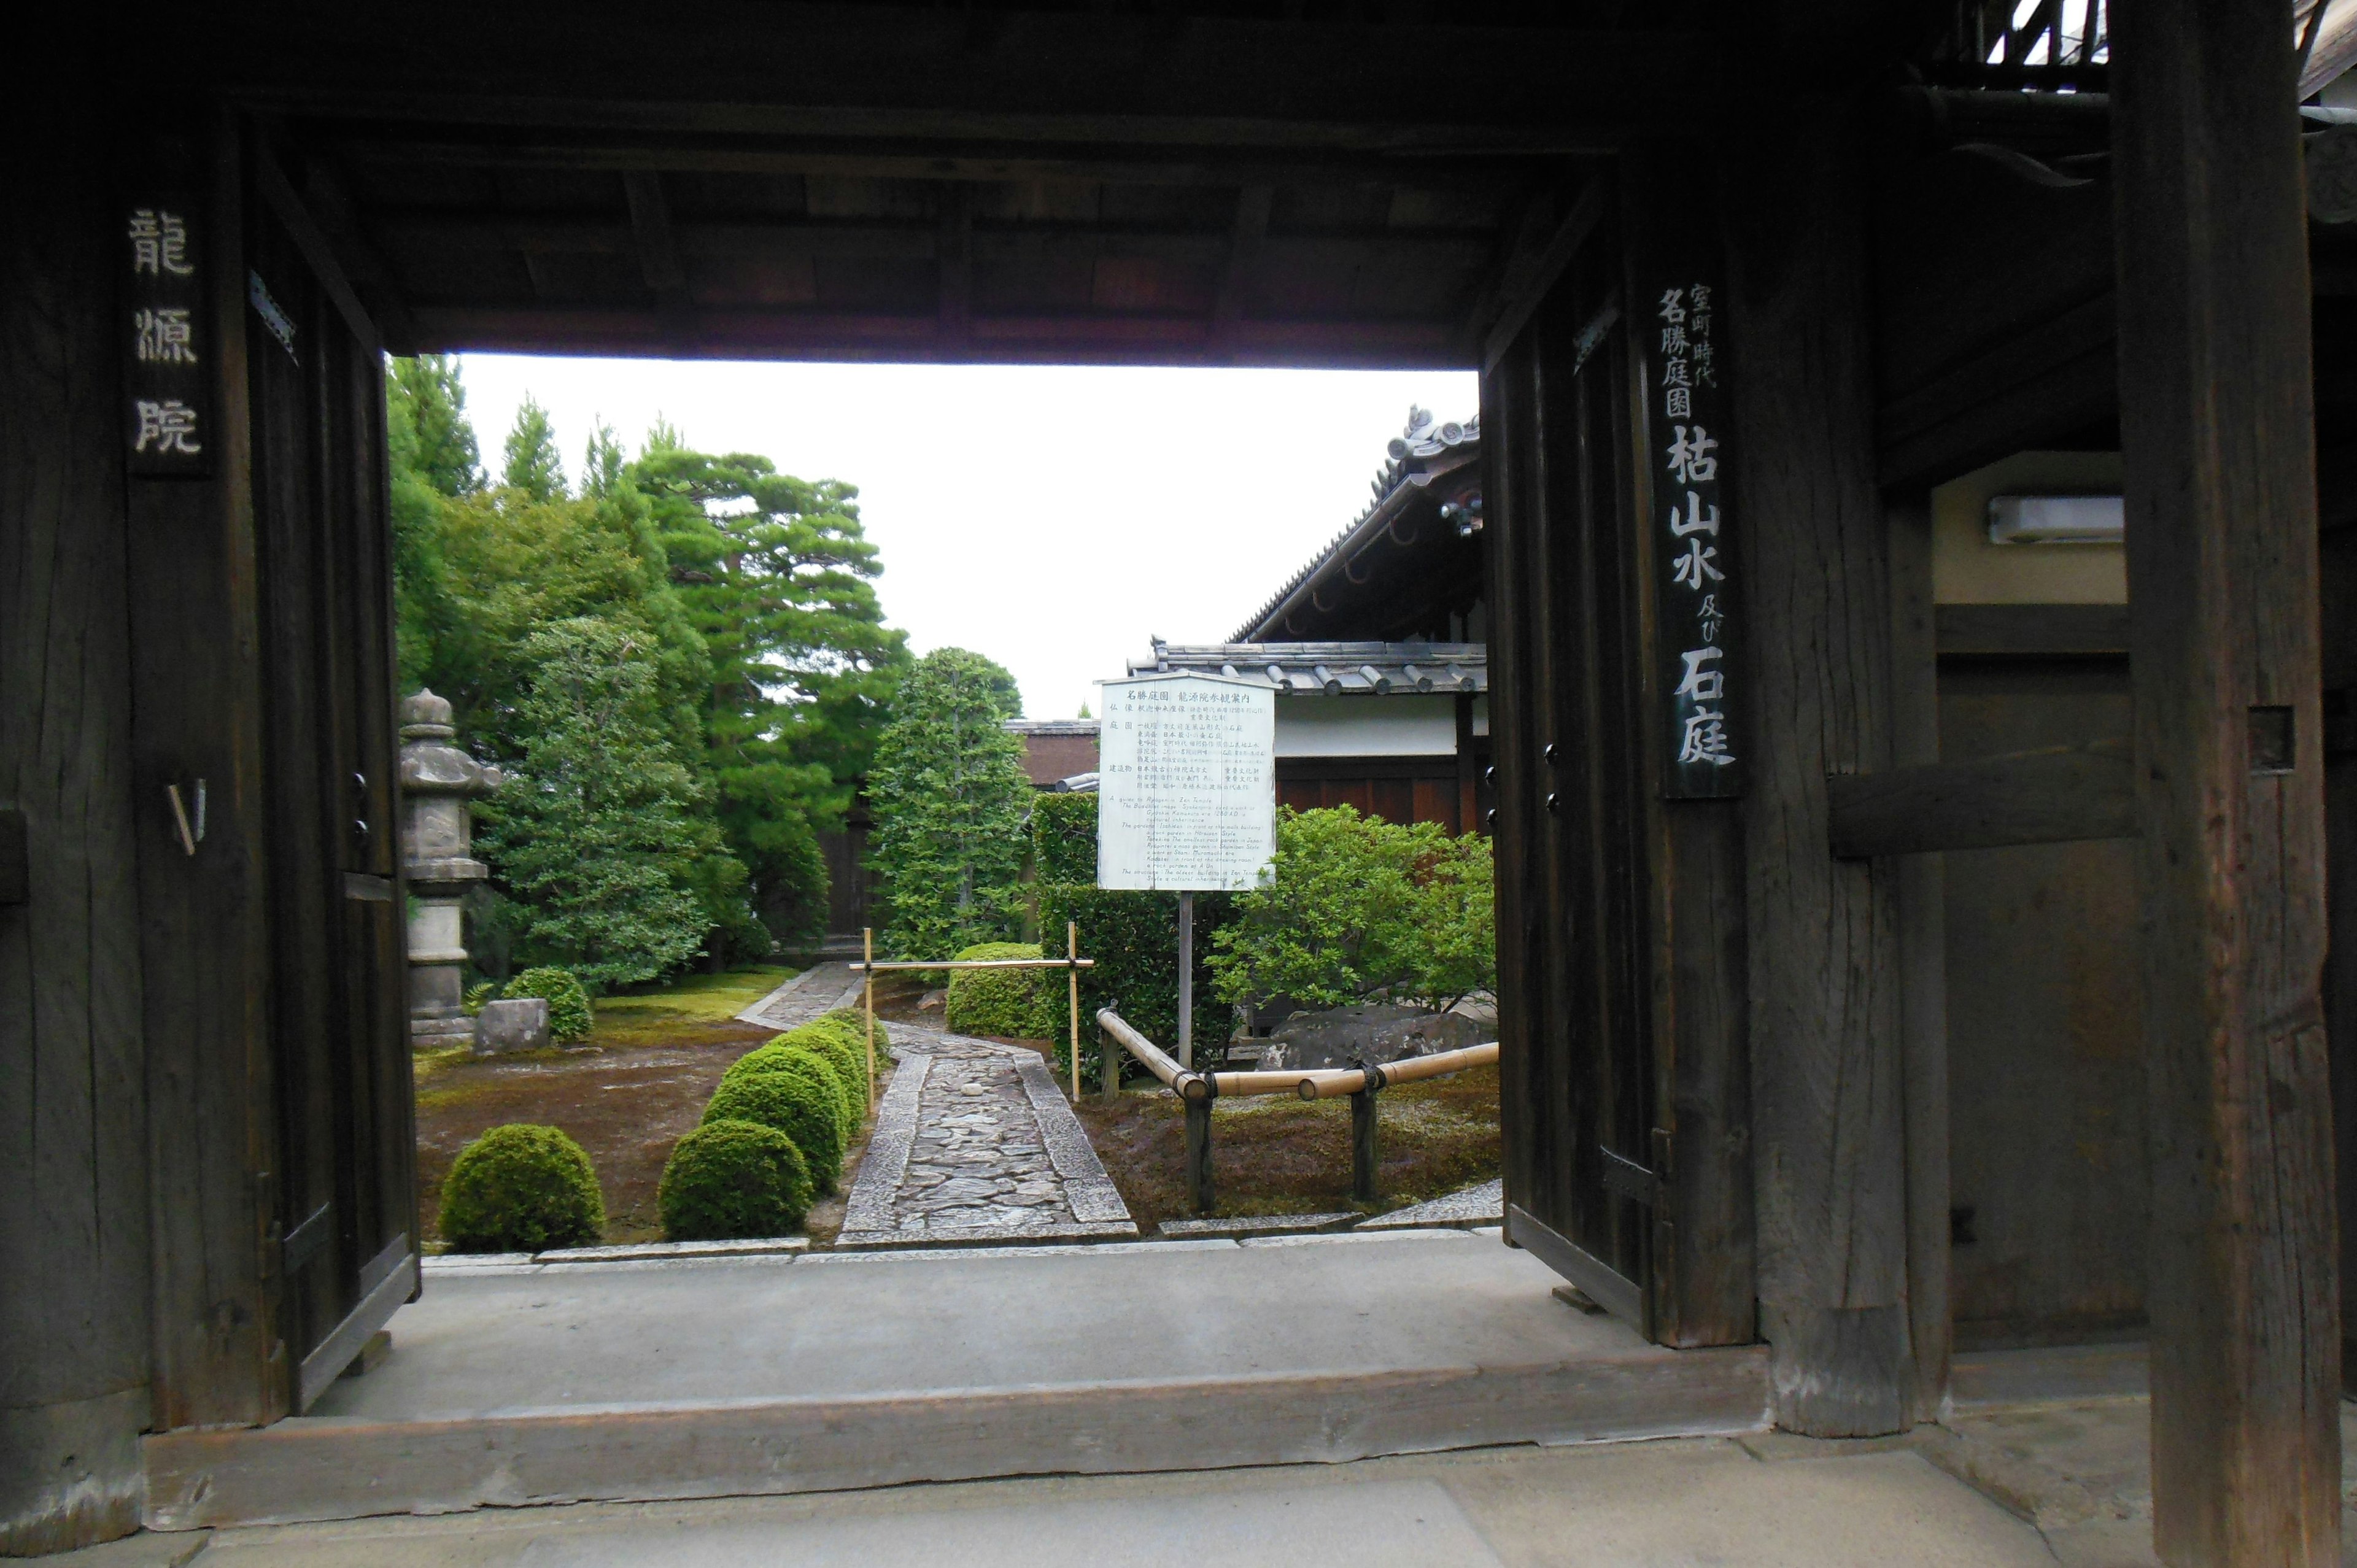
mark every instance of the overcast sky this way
{"type": "Point", "coordinates": [1055, 519]}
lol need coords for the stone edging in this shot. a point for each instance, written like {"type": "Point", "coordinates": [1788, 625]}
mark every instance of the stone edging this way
{"type": "Point", "coordinates": [882, 1169]}
{"type": "Point", "coordinates": [1088, 1190]}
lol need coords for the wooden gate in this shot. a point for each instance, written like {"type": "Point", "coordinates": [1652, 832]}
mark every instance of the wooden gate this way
{"type": "Point", "coordinates": [1618, 729]}
{"type": "Point", "coordinates": [345, 1191]}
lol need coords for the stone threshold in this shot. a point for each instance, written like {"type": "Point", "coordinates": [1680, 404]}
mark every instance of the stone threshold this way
{"type": "Point", "coordinates": [1257, 1224]}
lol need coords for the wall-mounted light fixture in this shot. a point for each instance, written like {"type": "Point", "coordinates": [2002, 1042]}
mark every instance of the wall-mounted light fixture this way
{"type": "Point", "coordinates": [2056, 520]}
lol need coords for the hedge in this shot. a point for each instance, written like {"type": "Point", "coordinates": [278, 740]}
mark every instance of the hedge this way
{"type": "Point", "coordinates": [1018, 1003]}
{"type": "Point", "coordinates": [733, 1180]}
{"type": "Point", "coordinates": [788, 1093]}
{"type": "Point", "coordinates": [1064, 838]}
{"type": "Point", "coordinates": [1133, 938]}
{"type": "Point", "coordinates": [840, 1038]}
{"type": "Point", "coordinates": [521, 1188]}
{"type": "Point", "coordinates": [569, 1013]}
{"type": "Point", "coordinates": [850, 1105]}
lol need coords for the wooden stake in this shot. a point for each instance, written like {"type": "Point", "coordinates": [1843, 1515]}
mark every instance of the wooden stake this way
{"type": "Point", "coordinates": [1073, 978]}
{"type": "Point", "coordinates": [1363, 1147]}
{"type": "Point", "coordinates": [868, 955]}
{"type": "Point", "coordinates": [2218, 431]}
{"type": "Point", "coordinates": [1198, 1152]}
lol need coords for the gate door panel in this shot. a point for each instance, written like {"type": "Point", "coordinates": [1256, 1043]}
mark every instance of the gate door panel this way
{"type": "Point", "coordinates": [346, 1193]}
{"type": "Point", "coordinates": [1617, 733]}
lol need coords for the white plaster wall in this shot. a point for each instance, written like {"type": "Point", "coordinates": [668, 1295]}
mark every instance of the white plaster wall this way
{"type": "Point", "coordinates": [1410, 725]}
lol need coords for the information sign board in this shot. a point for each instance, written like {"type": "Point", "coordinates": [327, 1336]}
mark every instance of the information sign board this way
{"type": "Point", "coordinates": [1187, 783]}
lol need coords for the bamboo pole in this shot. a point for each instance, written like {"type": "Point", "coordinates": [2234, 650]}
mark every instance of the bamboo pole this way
{"type": "Point", "coordinates": [889, 967]}
{"type": "Point", "coordinates": [868, 951]}
{"type": "Point", "coordinates": [1330, 1082]}
{"type": "Point", "coordinates": [1073, 978]}
{"type": "Point", "coordinates": [1177, 1080]}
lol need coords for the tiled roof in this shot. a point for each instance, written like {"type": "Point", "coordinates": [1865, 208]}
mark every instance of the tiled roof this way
{"type": "Point", "coordinates": [1334, 669]}
{"type": "Point", "coordinates": [1423, 439]}
{"type": "Point", "coordinates": [1052, 727]}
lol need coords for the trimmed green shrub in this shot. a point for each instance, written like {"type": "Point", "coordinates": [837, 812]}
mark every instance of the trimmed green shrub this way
{"type": "Point", "coordinates": [841, 1037]}
{"type": "Point", "coordinates": [843, 1075]}
{"type": "Point", "coordinates": [1064, 838]}
{"type": "Point", "coordinates": [471, 1002]}
{"type": "Point", "coordinates": [1015, 1003]}
{"type": "Point", "coordinates": [569, 1013]}
{"type": "Point", "coordinates": [733, 1180]}
{"type": "Point", "coordinates": [788, 1092]}
{"type": "Point", "coordinates": [521, 1188]}
{"type": "Point", "coordinates": [847, 1111]}
{"type": "Point", "coordinates": [1133, 938]}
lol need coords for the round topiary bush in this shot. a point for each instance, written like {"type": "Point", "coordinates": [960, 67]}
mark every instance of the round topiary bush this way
{"type": "Point", "coordinates": [844, 1037]}
{"type": "Point", "coordinates": [569, 1013]}
{"type": "Point", "coordinates": [827, 1054]}
{"type": "Point", "coordinates": [521, 1188]}
{"type": "Point", "coordinates": [1010, 1002]}
{"type": "Point", "coordinates": [733, 1180]}
{"type": "Point", "coordinates": [792, 1097]}
{"type": "Point", "coordinates": [847, 1108]}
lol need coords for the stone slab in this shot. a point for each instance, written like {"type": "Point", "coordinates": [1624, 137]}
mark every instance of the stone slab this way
{"type": "Point", "coordinates": [517, 1023]}
{"type": "Point", "coordinates": [1482, 1204]}
{"type": "Point", "coordinates": [868, 1208]}
{"type": "Point", "coordinates": [816, 991]}
{"type": "Point", "coordinates": [1255, 1224]}
{"type": "Point", "coordinates": [643, 1250]}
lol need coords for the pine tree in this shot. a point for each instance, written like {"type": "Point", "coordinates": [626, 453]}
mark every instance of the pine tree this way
{"type": "Point", "coordinates": [427, 426]}
{"type": "Point", "coordinates": [532, 463]}
{"type": "Point", "coordinates": [949, 794]}
{"type": "Point", "coordinates": [601, 464]}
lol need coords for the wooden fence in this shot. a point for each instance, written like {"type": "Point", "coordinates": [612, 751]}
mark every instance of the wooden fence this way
{"type": "Point", "coordinates": [1073, 964]}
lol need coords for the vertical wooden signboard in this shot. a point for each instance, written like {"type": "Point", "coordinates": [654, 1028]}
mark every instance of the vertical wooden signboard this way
{"type": "Point", "coordinates": [1696, 581]}
{"type": "Point", "coordinates": [168, 381]}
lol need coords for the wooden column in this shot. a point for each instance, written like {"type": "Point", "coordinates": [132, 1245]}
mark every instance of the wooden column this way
{"type": "Point", "coordinates": [1923, 959]}
{"type": "Point", "coordinates": [2216, 402]}
{"type": "Point", "coordinates": [74, 1240]}
{"type": "Point", "coordinates": [1827, 1123]}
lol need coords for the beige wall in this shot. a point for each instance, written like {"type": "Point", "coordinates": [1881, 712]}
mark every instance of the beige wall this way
{"type": "Point", "coordinates": [1966, 569]}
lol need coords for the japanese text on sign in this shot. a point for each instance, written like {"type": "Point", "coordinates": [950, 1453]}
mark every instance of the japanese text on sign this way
{"type": "Point", "coordinates": [1187, 783]}
{"type": "Point", "coordinates": [168, 414]}
{"type": "Point", "coordinates": [1694, 591]}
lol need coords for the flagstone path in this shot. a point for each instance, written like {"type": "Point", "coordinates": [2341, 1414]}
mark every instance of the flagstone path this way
{"type": "Point", "coordinates": [820, 989]}
{"type": "Point", "coordinates": [974, 1141]}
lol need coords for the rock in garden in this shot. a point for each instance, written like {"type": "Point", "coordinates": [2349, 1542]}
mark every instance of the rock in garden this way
{"type": "Point", "coordinates": [520, 1024]}
{"type": "Point", "coordinates": [1344, 1037]}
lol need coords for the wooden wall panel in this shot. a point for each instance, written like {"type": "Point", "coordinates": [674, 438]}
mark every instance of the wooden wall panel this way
{"type": "Point", "coordinates": [74, 1240]}
{"type": "Point", "coordinates": [1823, 992]}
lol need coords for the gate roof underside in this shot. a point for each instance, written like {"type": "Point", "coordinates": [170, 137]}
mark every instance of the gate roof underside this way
{"type": "Point", "coordinates": [734, 178]}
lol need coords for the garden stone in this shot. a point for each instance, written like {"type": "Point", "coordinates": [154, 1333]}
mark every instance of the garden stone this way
{"type": "Point", "coordinates": [520, 1024]}
{"type": "Point", "coordinates": [1345, 1036]}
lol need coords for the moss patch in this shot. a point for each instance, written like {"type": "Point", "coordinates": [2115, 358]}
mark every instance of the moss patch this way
{"type": "Point", "coordinates": [687, 1010]}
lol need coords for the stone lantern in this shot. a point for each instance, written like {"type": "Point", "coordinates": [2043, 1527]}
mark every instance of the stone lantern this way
{"type": "Point", "coordinates": [438, 781]}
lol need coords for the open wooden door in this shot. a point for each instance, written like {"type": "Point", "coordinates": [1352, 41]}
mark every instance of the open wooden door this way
{"type": "Point", "coordinates": [345, 1191]}
{"type": "Point", "coordinates": [1617, 725]}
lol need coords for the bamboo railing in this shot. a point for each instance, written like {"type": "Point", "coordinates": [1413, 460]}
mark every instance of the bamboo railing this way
{"type": "Point", "coordinates": [1072, 963]}
{"type": "Point", "coordinates": [1196, 1090]}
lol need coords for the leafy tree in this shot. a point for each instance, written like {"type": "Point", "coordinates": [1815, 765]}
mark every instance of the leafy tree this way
{"type": "Point", "coordinates": [600, 829]}
{"type": "Point", "coordinates": [601, 464]}
{"type": "Point", "coordinates": [949, 796]}
{"type": "Point", "coordinates": [532, 463]}
{"type": "Point", "coordinates": [426, 426]}
{"type": "Point", "coordinates": [779, 581]}
{"type": "Point", "coordinates": [1355, 907]}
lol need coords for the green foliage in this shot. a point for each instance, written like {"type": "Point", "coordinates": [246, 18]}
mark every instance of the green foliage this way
{"type": "Point", "coordinates": [471, 1003]}
{"type": "Point", "coordinates": [733, 1180]}
{"type": "Point", "coordinates": [787, 1092]}
{"type": "Point", "coordinates": [850, 1100]}
{"type": "Point", "coordinates": [1019, 1004]}
{"type": "Point", "coordinates": [1064, 838]}
{"type": "Point", "coordinates": [779, 579]}
{"type": "Point", "coordinates": [1356, 906]}
{"type": "Point", "coordinates": [426, 432]}
{"type": "Point", "coordinates": [570, 1017]}
{"type": "Point", "coordinates": [1133, 938]}
{"type": "Point", "coordinates": [842, 1037]}
{"type": "Point", "coordinates": [521, 1188]}
{"type": "Point", "coordinates": [532, 465]}
{"type": "Point", "coordinates": [949, 796]}
{"type": "Point", "coordinates": [599, 829]}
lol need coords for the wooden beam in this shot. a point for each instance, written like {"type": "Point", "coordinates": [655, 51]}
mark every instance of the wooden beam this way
{"type": "Point", "coordinates": [1246, 236]}
{"type": "Point", "coordinates": [372, 278]}
{"type": "Point", "coordinates": [2017, 630]}
{"type": "Point", "coordinates": [2218, 434]}
{"type": "Point", "coordinates": [954, 262]}
{"type": "Point", "coordinates": [658, 251]}
{"type": "Point", "coordinates": [2029, 797]}
{"type": "Point", "coordinates": [1528, 279]}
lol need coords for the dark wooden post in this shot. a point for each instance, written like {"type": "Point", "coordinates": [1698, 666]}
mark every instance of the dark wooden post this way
{"type": "Point", "coordinates": [1362, 1145]}
{"type": "Point", "coordinates": [1198, 1152]}
{"type": "Point", "coordinates": [1827, 1122]}
{"type": "Point", "coordinates": [2215, 412]}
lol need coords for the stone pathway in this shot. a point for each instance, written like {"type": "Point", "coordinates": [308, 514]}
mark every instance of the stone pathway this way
{"type": "Point", "coordinates": [814, 991]}
{"type": "Point", "coordinates": [974, 1142]}
{"type": "Point", "coordinates": [1481, 1205]}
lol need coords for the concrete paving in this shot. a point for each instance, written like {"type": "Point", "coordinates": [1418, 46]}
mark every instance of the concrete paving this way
{"type": "Point", "coordinates": [1653, 1505]}
{"type": "Point", "coordinates": [495, 1339]}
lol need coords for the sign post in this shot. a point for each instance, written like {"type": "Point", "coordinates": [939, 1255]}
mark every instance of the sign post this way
{"type": "Point", "coordinates": [1187, 797]}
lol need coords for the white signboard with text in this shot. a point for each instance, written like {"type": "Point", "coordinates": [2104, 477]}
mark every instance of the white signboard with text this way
{"type": "Point", "coordinates": [1186, 783]}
